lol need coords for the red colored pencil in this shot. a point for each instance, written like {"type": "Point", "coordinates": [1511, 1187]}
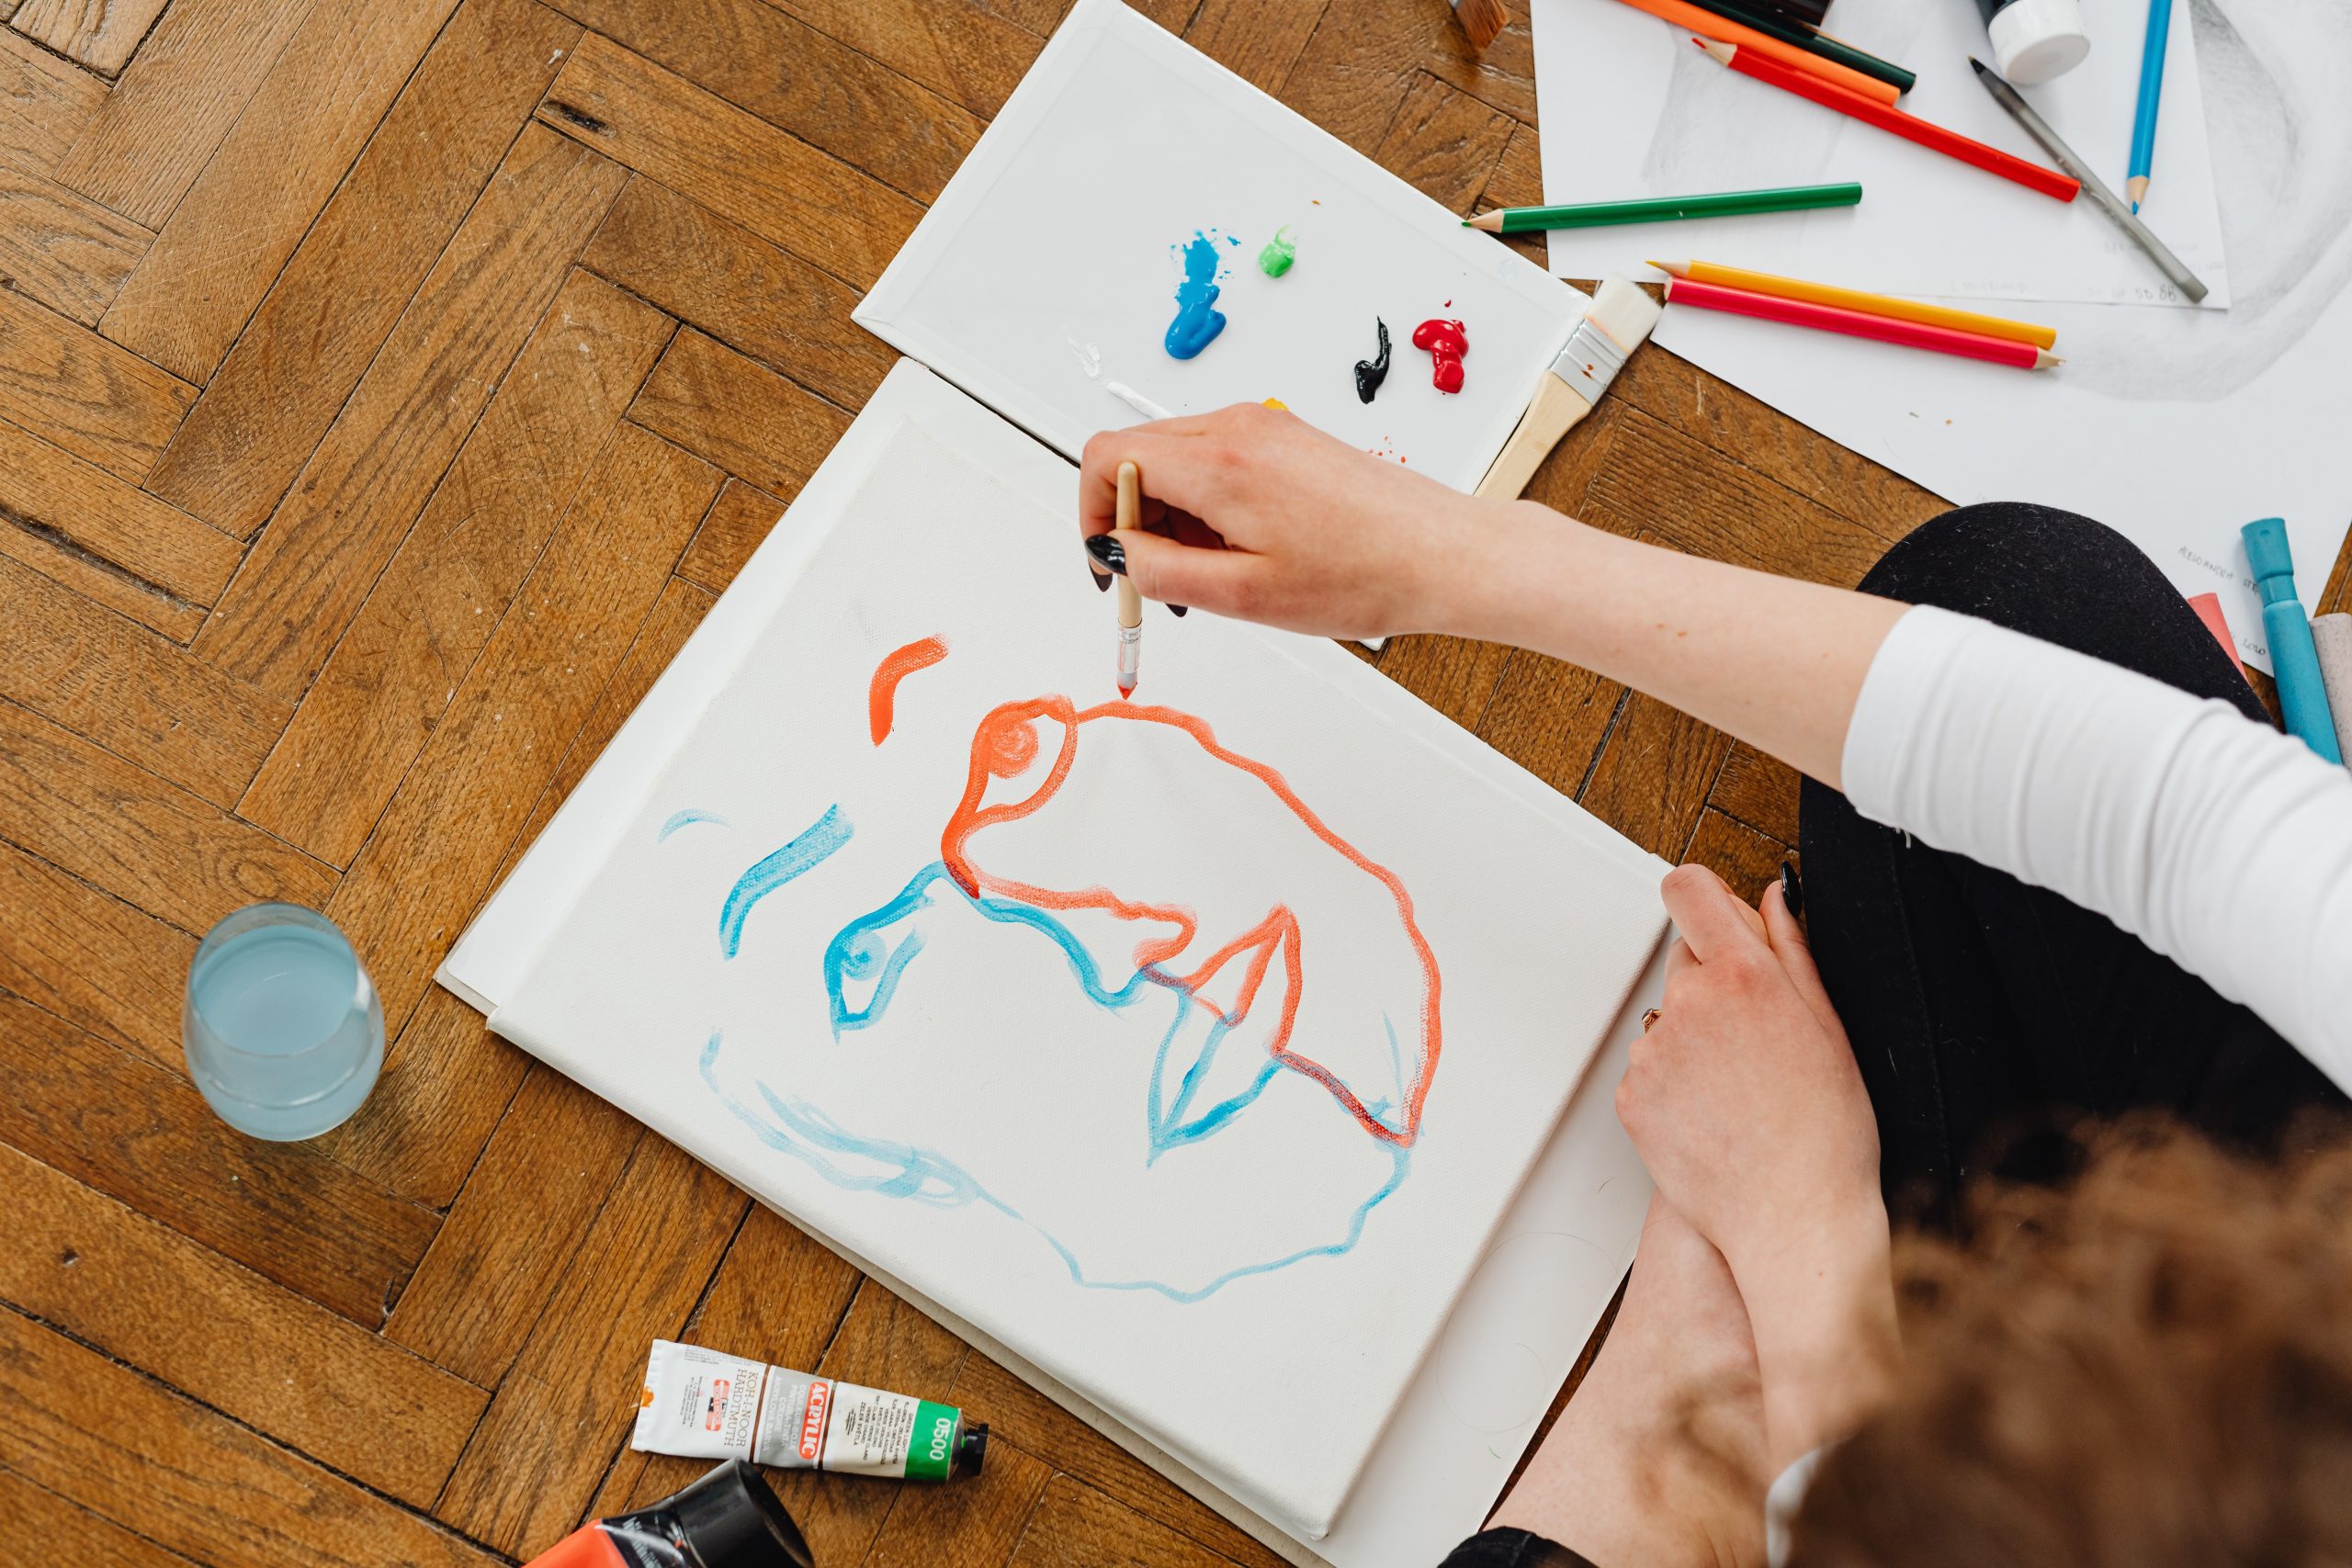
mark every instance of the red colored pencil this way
{"type": "Point", "coordinates": [1859, 324]}
{"type": "Point", "coordinates": [1950, 143]}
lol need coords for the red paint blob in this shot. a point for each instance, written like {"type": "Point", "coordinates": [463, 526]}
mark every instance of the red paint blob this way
{"type": "Point", "coordinates": [1446, 342]}
{"type": "Point", "coordinates": [882, 694]}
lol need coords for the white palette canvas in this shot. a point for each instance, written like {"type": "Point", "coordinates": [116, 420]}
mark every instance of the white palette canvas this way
{"type": "Point", "coordinates": [1048, 267]}
{"type": "Point", "coordinates": [1676, 123]}
{"type": "Point", "coordinates": [1236, 1237]}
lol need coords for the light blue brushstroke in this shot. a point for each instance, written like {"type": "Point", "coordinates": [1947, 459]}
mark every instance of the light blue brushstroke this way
{"type": "Point", "coordinates": [924, 1175]}
{"type": "Point", "coordinates": [823, 837]}
{"type": "Point", "coordinates": [687, 819]}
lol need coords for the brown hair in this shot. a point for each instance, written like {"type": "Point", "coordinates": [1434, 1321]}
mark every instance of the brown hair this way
{"type": "Point", "coordinates": [2153, 1369]}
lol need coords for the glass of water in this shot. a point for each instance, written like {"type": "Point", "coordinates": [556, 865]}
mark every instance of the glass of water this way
{"type": "Point", "coordinates": [282, 1027]}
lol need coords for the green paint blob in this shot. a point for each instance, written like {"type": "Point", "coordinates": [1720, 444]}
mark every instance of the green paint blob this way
{"type": "Point", "coordinates": [1280, 252]}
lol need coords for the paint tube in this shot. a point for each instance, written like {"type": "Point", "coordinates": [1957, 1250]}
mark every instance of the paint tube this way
{"type": "Point", "coordinates": [728, 1519]}
{"type": "Point", "coordinates": [703, 1404]}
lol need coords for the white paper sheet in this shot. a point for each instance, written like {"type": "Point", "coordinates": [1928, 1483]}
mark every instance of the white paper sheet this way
{"type": "Point", "coordinates": [2173, 426]}
{"type": "Point", "coordinates": [1644, 113]}
{"type": "Point", "coordinates": [998, 1139]}
{"type": "Point", "coordinates": [1052, 252]}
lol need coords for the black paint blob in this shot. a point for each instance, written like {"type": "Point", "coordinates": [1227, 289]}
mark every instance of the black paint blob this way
{"type": "Point", "coordinates": [1371, 373]}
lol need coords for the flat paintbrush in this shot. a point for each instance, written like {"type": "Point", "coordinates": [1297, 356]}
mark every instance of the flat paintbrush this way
{"type": "Point", "coordinates": [1129, 516]}
{"type": "Point", "coordinates": [1617, 323]}
{"type": "Point", "coordinates": [1482, 19]}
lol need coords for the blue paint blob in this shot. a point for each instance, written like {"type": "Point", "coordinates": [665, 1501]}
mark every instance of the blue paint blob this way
{"type": "Point", "coordinates": [822, 836]}
{"type": "Point", "coordinates": [687, 819]}
{"type": "Point", "coordinates": [1198, 320]}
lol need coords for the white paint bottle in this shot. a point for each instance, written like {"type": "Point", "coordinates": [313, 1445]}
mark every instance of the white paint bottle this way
{"type": "Point", "coordinates": [2035, 40]}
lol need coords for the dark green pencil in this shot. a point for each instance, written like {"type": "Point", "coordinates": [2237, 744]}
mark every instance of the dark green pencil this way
{"type": "Point", "coordinates": [1811, 42]}
{"type": "Point", "coordinates": [1663, 208]}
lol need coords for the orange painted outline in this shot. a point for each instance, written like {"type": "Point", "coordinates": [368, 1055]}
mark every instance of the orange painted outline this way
{"type": "Point", "coordinates": [1004, 746]}
{"type": "Point", "coordinates": [882, 694]}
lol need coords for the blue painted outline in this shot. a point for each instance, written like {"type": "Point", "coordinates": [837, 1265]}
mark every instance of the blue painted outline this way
{"type": "Point", "coordinates": [687, 819]}
{"type": "Point", "coordinates": [820, 839]}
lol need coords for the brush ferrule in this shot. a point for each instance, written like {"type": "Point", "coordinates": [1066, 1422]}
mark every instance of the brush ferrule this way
{"type": "Point", "coordinates": [1591, 361]}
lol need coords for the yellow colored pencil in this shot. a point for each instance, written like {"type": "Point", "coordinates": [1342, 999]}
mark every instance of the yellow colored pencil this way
{"type": "Point", "coordinates": [1856, 299]}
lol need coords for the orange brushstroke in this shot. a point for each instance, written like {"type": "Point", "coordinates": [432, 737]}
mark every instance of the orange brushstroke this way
{"type": "Point", "coordinates": [1005, 745]}
{"type": "Point", "coordinates": [881, 697]}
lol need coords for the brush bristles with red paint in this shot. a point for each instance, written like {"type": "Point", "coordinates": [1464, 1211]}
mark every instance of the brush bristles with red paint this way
{"type": "Point", "coordinates": [1927, 134]}
{"type": "Point", "coordinates": [1482, 19]}
{"type": "Point", "coordinates": [1859, 323]}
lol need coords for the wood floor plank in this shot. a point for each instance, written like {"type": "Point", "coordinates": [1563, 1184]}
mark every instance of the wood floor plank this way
{"type": "Point", "coordinates": [1737, 853]}
{"type": "Point", "coordinates": [778, 1295]}
{"type": "Point", "coordinates": [975, 1523]}
{"type": "Point", "coordinates": [1444, 143]}
{"type": "Point", "coordinates": [1550, 717]}
{"type": "Point", "coordinates": [150, 843]}
{"type": "Point", "coordinates": [330, 538]}
{"type": "Point", "coordinates": [1257, 41]}
{"type": "Point", "coordinates": [447, 1079]}
{"type": "Point", "coordinates": [968, 51]}
{"type": "Point", "coordinates": [883, 1343]}
{"type": "Point", "coordinates": [282, 1364]}
{"type": "Point", "coordinates": [738, 414]}
{"type": "Point", "coordinates": [1660, 480]}
{"type": "Point", "coordinates": [1758, 790]}
{"type": "Point", "coordinates": [141, 1133]}
{"type": "Point", "coordinates": [1716, 414]}
{"type": "Point", "coordinates": [739, 520]}
{"type": "Point", "coordinates": [1654, 774]}
{"type": "Point", "coordinates": [92, 960]}
{"type": "Point", "coordinates": [62, 249]}
{"type": "Point", "coordinates": [824, 91]}
{"type": "Point", "coordinates": [144, 142]}
{"type": "Point", "coordinates": [525, 1208]}
{"type": "Point", "coordinates": [83, 506]}
{"type": "Point", "coordinates": [101, 581]}
{"type": "Point", "coordinates": [44, 103]}
{"type": "Point", "coordinates": [1075, 1524]}
{"type": "Point", "coordinates": [101, 34]}
{"type": "Point", "coordinates": [333, 307]}
{"type": "Point", "coordinates": [190, 1480]}
{"type": "Point", "coordinates": [430, 861]}
{"type": "Point", "coordinates": [730, 160]}
{"type": "Point", "coordinates": [392, 676]}
{"type": "Point", "coordinates": [566, 1406]}
{"type": "Point", "coordinates": [1035, 1425]}
{"type": "Point", "coordinates": [70, 386]}
{"type": "Point", "coordinates": [230, 234]}
{"type": "Point", "coordinates": [737, 287]}
{"type": "Point", "coordinates": [1518, 181]}
{"type": "Point", "coordinates": [132, 691]}
{"type": "Point", "coordinates": [1358, 66]}
{"type": "Point", "coordinates": [36, 1513]}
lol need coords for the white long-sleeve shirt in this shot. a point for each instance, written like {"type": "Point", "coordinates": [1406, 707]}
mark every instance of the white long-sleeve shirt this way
{"type": "Point", "coordinates": [2220, 842]}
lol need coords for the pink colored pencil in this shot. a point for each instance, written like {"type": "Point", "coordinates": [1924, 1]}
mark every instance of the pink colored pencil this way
{"type": "Point", "coordinates": [1859, 324]}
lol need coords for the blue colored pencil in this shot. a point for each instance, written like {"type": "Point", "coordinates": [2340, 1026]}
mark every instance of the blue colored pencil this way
{"type": "Point", "coordinates": [2152, 90]}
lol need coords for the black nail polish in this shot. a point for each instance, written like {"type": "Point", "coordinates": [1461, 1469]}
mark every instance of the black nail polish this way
{"type": "Point", "coordinates": [1109, 552]}
{"type": "Point", "coordinates": [1791, 888]}
{"type": "Point", "coordinates": [1102, 579]}
{"type": "Point", "coordinates": [1178, 609]}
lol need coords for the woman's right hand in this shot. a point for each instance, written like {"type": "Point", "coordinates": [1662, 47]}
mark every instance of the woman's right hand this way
{"type": "Point", "coordinates": [1252, 513]}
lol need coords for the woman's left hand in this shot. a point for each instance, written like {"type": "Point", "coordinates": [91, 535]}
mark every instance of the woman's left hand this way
{"type": "Point", "coordinates": [1746, 1105]}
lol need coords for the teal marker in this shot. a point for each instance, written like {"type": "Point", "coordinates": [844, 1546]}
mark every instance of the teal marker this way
{"type": "Point", "coordinates": [2302, 697]}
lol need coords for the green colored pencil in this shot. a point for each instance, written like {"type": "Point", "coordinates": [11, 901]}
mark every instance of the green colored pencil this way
{"type": "Point", "coordinates": [1812, 42]}
{"type": "Point", "coordinates": [1662, 208]}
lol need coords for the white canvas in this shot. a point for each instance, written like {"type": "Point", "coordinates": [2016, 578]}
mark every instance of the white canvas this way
{"type": "Point", "coordinates": [994, 1137]}
{"type": "Point", "coordinates": [2173, 426]}
{"type": "Point", "coordinates": [1053, 253]}
{"type": "Point", "coordinates": [1632, 108]}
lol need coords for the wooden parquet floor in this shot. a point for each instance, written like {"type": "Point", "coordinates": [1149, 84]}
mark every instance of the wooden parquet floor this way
{"type": "Point", "coordinates": [387, 389]}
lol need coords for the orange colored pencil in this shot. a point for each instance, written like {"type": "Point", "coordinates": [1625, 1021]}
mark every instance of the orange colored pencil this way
{"type": "Point", "coordinates": [1911, 128]}
{"type": "Point", "coordinates": [1856, 323]}
{"type": "Point", "coordinates": [1859, 300]}
{"type": "Point", "coordinates": [1708, 24]}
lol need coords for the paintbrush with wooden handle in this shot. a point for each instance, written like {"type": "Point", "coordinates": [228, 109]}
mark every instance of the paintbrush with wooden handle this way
{"type": "Point", "coordinates": [1617, 323]}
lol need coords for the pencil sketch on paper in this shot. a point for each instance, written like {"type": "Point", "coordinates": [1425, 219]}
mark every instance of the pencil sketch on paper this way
{"type": "Point", "coordinates": [1250, 1055]}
